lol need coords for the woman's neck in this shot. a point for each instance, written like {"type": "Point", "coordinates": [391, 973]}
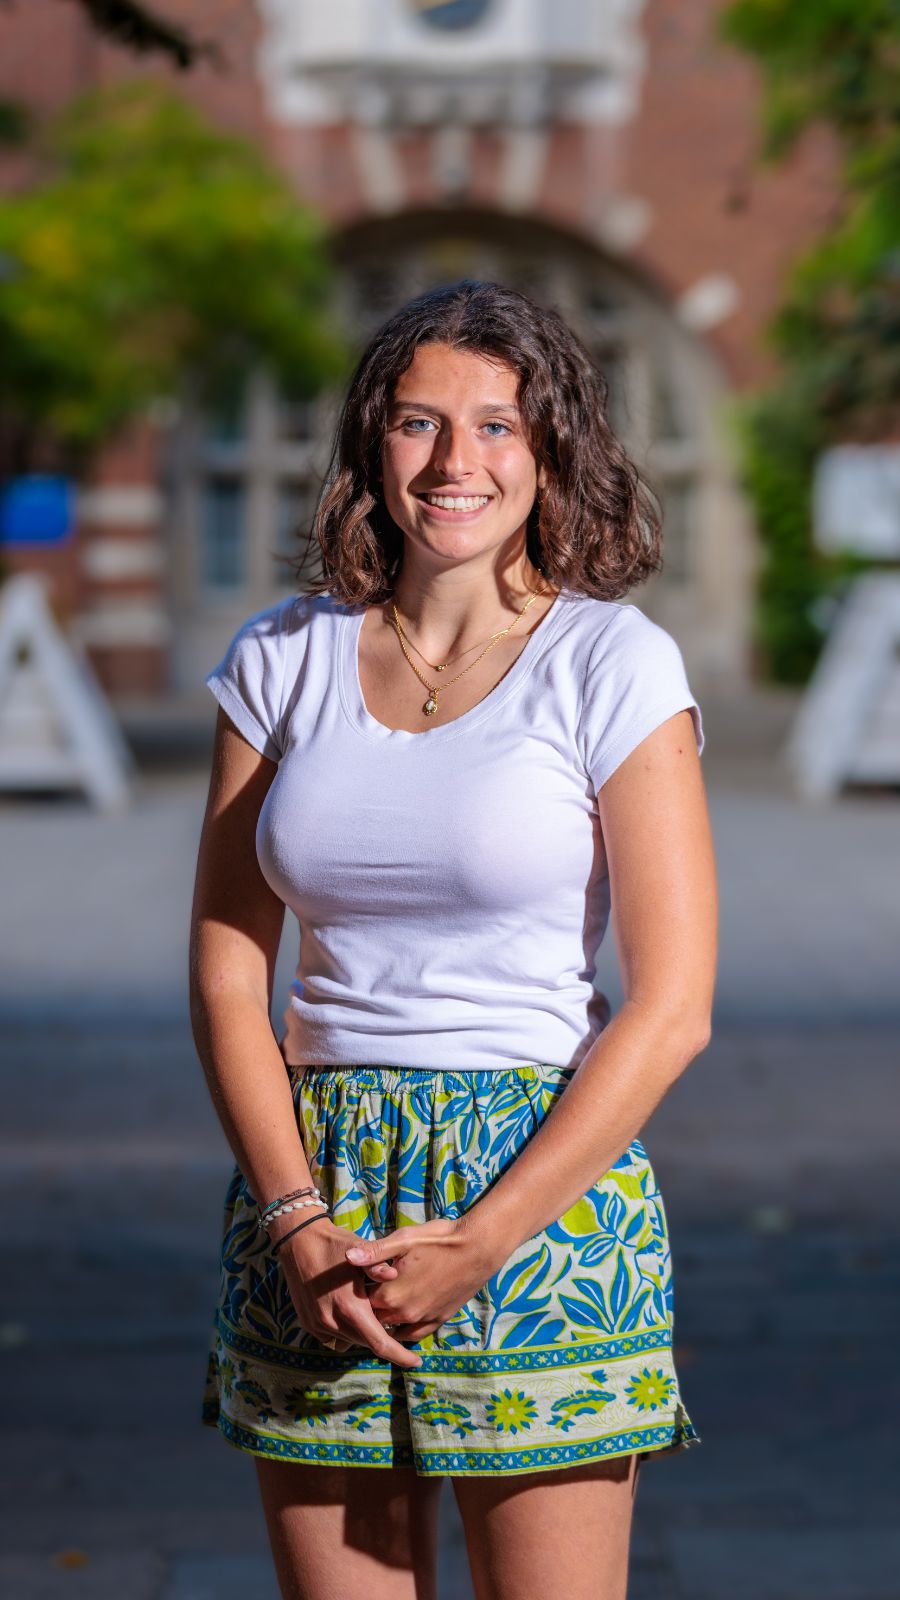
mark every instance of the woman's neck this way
{"type": "Point", "coordinates": [450, 610]}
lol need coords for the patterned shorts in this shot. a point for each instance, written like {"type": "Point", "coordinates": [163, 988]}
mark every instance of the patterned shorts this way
{"type": "Point", "coordinates": [564, 1355]}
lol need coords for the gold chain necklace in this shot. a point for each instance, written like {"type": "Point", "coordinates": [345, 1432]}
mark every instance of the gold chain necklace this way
{"type": "Point", "coordinates": [441, 666]}
{"type": "Point", "coordinates": [431, 704]}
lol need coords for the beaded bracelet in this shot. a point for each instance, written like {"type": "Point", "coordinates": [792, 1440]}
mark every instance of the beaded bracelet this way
{"type": "Point", "coordinates": [309, 1188]}
{"type": "Point", "coordinates": [294, 1205]}
{"type": "Point", "coordinates": [274, 1207]}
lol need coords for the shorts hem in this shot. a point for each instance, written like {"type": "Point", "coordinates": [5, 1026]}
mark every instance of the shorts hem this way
{"type": "Point", "coordinates": [271, 1447]}
{"type": "Point", "coordinates": [641, 1442]}
{"type": "Point", "coordinates": [661, 1439]}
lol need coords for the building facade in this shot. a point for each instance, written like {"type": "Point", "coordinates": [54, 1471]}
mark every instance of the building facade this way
{"type": "Point", "coordinates": [602, 158]}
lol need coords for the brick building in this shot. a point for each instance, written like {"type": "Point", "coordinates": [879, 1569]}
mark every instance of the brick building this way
{"type": "Point", "coordinates": [602, 157]}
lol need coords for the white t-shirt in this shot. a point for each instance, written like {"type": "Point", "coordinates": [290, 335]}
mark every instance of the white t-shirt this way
{"type": "Point", "coordinates": [451, 886]}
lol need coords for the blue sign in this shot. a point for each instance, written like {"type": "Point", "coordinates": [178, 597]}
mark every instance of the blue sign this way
{"type": "Point", "coordinates": [37, 509]}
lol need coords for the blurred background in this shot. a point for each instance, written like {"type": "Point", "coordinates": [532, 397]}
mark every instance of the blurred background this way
{"type": "Point", "coordinates": [206, 206]}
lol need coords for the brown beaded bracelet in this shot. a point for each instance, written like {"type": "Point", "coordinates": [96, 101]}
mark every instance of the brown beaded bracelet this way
{"type": "Point", "coordinates": [279, 1242]}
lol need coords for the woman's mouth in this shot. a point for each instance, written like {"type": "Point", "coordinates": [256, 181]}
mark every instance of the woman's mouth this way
{"type": "Point", "coordinates": [455, 505]}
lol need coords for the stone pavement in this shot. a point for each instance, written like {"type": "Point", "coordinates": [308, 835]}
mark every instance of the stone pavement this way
{"type": "Point", "coordinates": [776, 1152]}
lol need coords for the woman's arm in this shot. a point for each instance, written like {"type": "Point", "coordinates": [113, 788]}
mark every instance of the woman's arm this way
{"type": "Point", "coordinates": [236, 925]}
{"type": "Point", "coordinates": [659, 848]}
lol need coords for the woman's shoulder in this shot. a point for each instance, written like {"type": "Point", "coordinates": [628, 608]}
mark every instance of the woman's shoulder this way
{"type": "Point", "coordinates": [598, 628]}
{"type": "Point", "coordinates": [634, 678]}
{"type": "Point", "coordinates": [291, 616]}
{"type": "Point", "coordinates": [276, 636]}
{"type": "Point", "coordinates": [622, 654]}
{"type": "Point", "coordinates": [265, 664]}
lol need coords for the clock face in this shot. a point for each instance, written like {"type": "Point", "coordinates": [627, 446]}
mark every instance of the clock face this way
{"type": "Point", "coordinates": [450, 15]}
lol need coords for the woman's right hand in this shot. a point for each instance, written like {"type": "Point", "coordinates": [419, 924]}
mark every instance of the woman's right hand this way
{"type": "Point", "coordinates": [330, 1294]}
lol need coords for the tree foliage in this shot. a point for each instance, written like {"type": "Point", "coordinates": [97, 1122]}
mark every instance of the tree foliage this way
{"type": "Point", "coordinates": [143, 29]}
{"type": "Point", "coordinates": [154, 251]}
{"type": "Point", "coordinates": [837, 330]}
{"type": "Point", "coordinates": [836, 61]}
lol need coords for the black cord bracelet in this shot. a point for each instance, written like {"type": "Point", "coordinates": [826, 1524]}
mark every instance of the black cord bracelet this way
{"type": "Point", "coordinates": [279, 1242]}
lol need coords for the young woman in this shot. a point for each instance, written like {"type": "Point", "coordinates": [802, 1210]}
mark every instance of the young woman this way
{"type": "Point", "coordinates": [445, 1250]}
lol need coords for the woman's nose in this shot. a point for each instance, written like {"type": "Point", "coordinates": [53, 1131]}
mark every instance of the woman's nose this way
{"type": "Point", "coordinates": [454, 452]}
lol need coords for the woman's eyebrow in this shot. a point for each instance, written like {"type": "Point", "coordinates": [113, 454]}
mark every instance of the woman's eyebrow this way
{"type": "Point", "coordinates": [426, 405]}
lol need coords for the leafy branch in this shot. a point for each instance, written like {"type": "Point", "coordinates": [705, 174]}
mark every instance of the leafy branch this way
{"type": "Point", "coordinates": [154, 252]}
{"type": "Point", "coordinates": [837, 330]}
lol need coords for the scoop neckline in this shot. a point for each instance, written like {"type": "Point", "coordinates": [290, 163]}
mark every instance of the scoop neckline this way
{"type": "Point", "coordinates": [360, 718]}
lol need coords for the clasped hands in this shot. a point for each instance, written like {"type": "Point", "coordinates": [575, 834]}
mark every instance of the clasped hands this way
{"type": "Point", "coordinates": [387, 1293]}
{"type": "Point", "coordinates": [422, 1273]}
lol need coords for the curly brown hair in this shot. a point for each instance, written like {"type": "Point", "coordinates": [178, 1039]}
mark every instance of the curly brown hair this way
{"type": "Point", "coordinates": [594, 529]}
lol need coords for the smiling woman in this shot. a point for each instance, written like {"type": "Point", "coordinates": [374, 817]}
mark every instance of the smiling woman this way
{"type": "Point", "coordinates": [540, 403]}
{"type": "Point", "coordinates": [464, 461]}
{"type": "Point", "coordinates": [452, 1095]}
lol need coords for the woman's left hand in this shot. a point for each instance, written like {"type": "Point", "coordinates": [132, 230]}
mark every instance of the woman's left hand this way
{"type": "Point", "coordinates": [441, 1265]}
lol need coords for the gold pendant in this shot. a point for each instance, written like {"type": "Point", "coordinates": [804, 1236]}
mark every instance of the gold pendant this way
{"type": "Point", "coordinates": [430, 706]}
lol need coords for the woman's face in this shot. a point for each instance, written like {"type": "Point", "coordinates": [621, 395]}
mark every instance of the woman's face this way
{"type": "Point", "coordinates": [454, 434]}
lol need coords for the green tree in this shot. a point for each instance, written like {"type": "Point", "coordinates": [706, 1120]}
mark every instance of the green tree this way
{"type": "Point", "coordinates": [155, 253]}
{"type": "Point", "coordinates": [836, 332]}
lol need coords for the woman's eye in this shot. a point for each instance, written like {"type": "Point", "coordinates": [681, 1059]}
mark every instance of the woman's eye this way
{"type": "Point", "coordinates": [410, 425]}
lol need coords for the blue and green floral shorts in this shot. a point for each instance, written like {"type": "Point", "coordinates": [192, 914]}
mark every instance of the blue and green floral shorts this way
{"type": "Point", "coordinates": [565, 1354]}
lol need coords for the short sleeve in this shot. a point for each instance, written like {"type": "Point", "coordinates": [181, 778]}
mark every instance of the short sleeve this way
{"type": "Point", "coordinates": [248, 682]}
{"type": "Point", "coordinates": [635, 680]}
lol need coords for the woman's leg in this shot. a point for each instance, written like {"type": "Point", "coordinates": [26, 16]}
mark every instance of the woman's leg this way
{"type": "Point", "coordinates": [565, 1530]}
{"type": "Point", "coordinates": [351, 1533]}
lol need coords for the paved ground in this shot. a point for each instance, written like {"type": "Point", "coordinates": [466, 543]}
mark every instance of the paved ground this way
{"type": "Point", "coordinates": [776, 1151]}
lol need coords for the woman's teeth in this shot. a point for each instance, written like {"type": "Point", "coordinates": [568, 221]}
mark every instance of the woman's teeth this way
{"type": "Point", "coordinates": [457, 502]}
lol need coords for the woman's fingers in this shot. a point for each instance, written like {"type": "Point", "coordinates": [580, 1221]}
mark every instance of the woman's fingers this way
{"type": "Point", "coordinates": [385, 1343]}
{"type": "Point", "coordinates": [381, 1271]}
{"type": "Point", "coordinates": [363, 1252]}
{"type": "Point", "coordinates": [375, 1250]}
{"type": "Point", "coordinates": [363, 1327]}
{"type": "Point", "coordinates": [412, 1332]}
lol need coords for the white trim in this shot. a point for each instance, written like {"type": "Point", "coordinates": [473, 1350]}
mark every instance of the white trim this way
{"type": "Point", "coordinates": [708, 302]}
{"type": "Point", "coordinates": [623, 222]}
{"type": "Point", "coordinates": [451, 158]}
{"type": "Point", "coordinates": [108, 559]}
{"type": "Point", "coordinates": [363, 60]}
{"type": "Point", "coordinates": [522, 168]}
{"type": "Point", "coordinates": [120, 505]}
{"type": "Point", "coordinates": [380, 172]}
{"type": "Point", "coordinates": [123, 624]}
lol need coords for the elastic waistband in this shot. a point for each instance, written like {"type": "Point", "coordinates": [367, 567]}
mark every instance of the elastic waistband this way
{"type": "Point", "coordinates": [378, 1072]}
